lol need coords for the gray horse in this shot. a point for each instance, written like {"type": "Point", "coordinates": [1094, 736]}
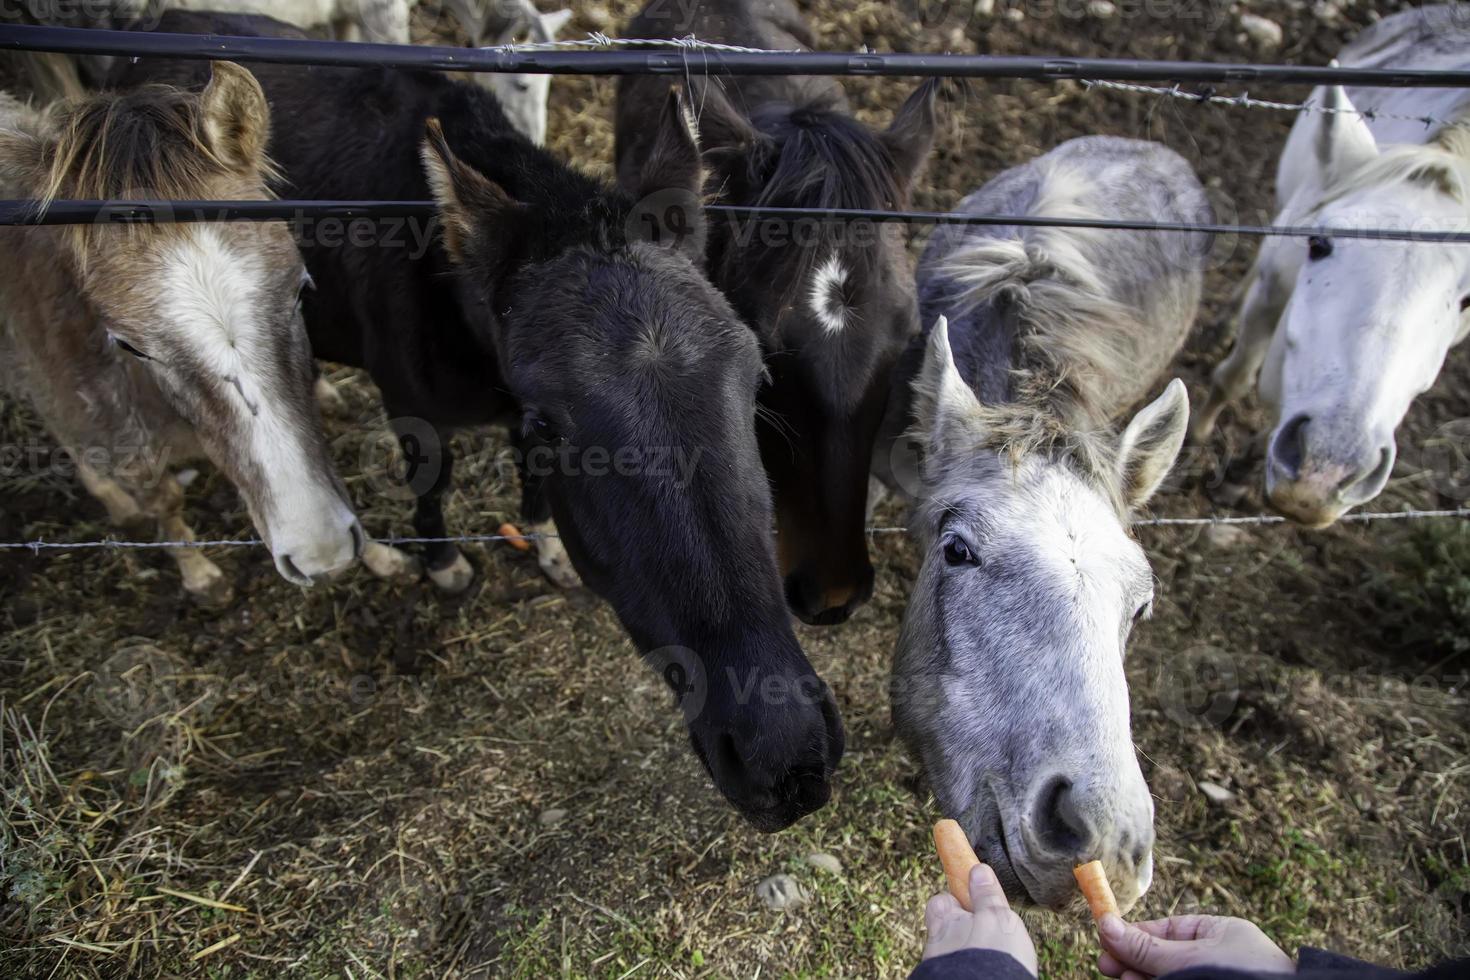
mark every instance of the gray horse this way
{"type": "Point", "coordinates": [1008, 678]}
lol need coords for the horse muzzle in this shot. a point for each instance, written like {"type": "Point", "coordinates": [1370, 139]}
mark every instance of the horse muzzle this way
{"type": "Point", "coordinates": [1314, 476]}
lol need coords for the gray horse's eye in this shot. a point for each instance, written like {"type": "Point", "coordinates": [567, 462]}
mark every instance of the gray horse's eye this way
{"type": "Point", "coordinates": [1319, 247]}
{"type": "Point", "coordinates": [957, 552]}
{"type": "Point", "coordinates": [131, 349]}
{"type": "Point", "coordinates": [1143, 612]}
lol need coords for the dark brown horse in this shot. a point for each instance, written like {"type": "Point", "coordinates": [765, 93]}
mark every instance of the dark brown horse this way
{"type": "Point", "coordinates": [832, 304]}
{"type": "Point", "coordinates": [543, 304]}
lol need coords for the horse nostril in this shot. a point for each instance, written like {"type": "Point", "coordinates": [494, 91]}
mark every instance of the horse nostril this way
{"type": "Point", "coordinates": [1058, 822]}
{"type": "Point", "coordinates": [1289, 447]}
{"type": "Point", "coordinates": [359, 540]}
{"type": "Point", "coordinates": [1368, 480]}
{"type": "Point", "coordinates": [291, 571]}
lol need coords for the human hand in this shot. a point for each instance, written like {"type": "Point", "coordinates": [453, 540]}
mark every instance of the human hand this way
{"type": "Point", "coordinates": [991, 926]}
{"type": "Point", "coordinates": [1141, 950]}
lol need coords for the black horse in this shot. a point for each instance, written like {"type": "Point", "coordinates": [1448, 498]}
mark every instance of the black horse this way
{"type": "Point", "coordinates": [833, 305]}
{"type": "Point", "coordinates": [545, 301]}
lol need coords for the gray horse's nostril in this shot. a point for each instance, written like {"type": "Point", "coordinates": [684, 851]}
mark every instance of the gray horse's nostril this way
{"type": "Point", "coordinates": [1059, 823]}
{"type": "Point", "coordinates": [1365, 484]}
{"type": "Point", "coordinates": [359, 540]}
{"type": "Point", "coordinates": [1289, 447]}
{"type": "Point", "coordinates": [289, 567]}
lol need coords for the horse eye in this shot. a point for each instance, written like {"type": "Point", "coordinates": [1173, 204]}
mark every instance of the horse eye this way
{"type": "Point", "coordinates": [1143, 612]}
{"type": "Point", "coordinates": [1319, 247]}
{"type": "Point", "coordinates": [956, 552]}
{"type": "Point", "coordinates": [542, 430]}
{"type": "Point", "coordinates": [131, 349]}
{"type": "Point", "coordinates": [1464, 303]}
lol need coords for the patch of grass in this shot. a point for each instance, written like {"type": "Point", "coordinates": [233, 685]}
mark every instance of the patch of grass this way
{"type": "Point", "coordinates": [1424, 590]}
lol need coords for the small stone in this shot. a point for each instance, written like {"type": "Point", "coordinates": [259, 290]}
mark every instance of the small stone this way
{"type": "Point", "coordinates": [186, 477]}
{"type": "Point", "coordinates": [552, 817]}
{"type": "Point", "coordinates": [1214, 792]}
{"type": "Point", "coordinates": [1102, 8]}
{"type": "Point", "coordinates": [984, 8]}
{"type": "Point", "coordinates": [1261, 30]}
{"type": "Point", "coordinates": [1014, 14]}
{"type": "Point", "coordinates": [825, 862]}
{"type": "Point", "coordinates": [780, 893]}
{"type": "Point", "coordinates": [1225, 535]}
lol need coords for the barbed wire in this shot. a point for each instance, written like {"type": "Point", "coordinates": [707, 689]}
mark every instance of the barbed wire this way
{"type": "Point", "coordinates": [1244, 101]}
{"type": "Point", "coordinates": [39, 545]}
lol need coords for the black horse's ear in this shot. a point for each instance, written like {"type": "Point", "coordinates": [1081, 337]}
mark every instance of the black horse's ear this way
{"type": "Point", "coordinates": [473, 208]}
{"type": "Point", "coordinates": [910, 136]}
{"type": "Point", "coordinates": [669, 210]}
{"type": "Point", "coordinates": [723, 129]}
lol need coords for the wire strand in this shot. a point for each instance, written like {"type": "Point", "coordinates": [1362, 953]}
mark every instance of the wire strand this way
{"type": "Point", "coordinates": [125, 212]}
{"type": "Point", "coordinates": [667, 57]}
{"type": "Point", "coordinates": [109, 544]}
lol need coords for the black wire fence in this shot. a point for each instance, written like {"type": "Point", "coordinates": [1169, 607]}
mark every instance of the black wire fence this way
{"type": "Point", "coordinates": [693, 57]}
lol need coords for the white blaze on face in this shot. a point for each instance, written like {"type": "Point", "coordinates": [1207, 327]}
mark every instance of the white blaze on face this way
{"type": "Point", "coordinates": [825, 292]}
{"type": "Point", "coordinates": [217, 303]}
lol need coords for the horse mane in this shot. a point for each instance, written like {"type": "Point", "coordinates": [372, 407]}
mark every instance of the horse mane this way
{"type": "Point", "coordinates": [1069, 334]}
{"type": "Point", "coordinates": [148, 142]}
{"type": "Point", "coordinates": [816, 157]}
{"type": "Point", "coordinates": [1442, 163]}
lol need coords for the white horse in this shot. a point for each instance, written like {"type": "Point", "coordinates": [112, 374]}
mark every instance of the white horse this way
{"type": "Point", "coordinates": [1351, 331]}
{"type": "Point", "coordinates": [1008, 677]}
{"type": "Point", "coordinates": [499, 22]}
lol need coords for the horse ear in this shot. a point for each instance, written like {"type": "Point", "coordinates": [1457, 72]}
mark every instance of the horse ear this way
{"type": "Point", "coordinates": [944, 406]}
{"type": "Point", "coordinates": [237, 119]}
{"type": "Point", "coordinates": [467, 199]}
{"type": "Point", "coordinates": [722, 127]}
{"type": "Point", "coordinates": [553, 22]}
{"type": "Point", "coordinates": [1344, 141]}
{"type": "Point", "coordinates": [669, 210]}
{"type": "Point", "coordinates": [910, 136]}
{"type": "Point", "coordinates": [1151, 443]}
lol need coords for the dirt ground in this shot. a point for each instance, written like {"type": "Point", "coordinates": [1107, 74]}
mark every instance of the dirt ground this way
{"type": "Point", "coordinates": [372, 780]}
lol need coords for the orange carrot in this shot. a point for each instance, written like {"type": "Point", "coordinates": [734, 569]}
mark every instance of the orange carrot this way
{"type": "Point", "coordinates": [958, 857]}
{"type": "Point", "coordinates": [512, 534]}
{"type": "Point", "coordinates": [1093, 881]}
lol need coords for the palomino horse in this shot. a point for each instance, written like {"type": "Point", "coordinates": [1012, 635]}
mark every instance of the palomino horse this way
{"type": "Point", "coordinates": [1351, 331]}
{"type": "Point", "coordinates": [544, 304]}
{"type": "Point", "coordinates": [500, 22]}
{"type": "Point", "coordinates": [1008, 678]}
{"type": "Point", "coordinates": [142, 346]}
{"type": "Point", "coordinates": [832, 314]}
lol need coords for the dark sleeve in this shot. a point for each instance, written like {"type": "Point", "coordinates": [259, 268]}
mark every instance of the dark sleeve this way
{"type": "Point", "coordinates": [1315, 962]}
{"type": "Point", "coordinates": [972, 964]}
{"type": "Point", "coordinates": [1318, 964]}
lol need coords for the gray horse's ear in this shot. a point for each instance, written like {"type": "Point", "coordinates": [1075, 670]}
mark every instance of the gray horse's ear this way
{"type": "Point", "coordinates": [909, 138]}
{"type": "Point", "coordinates": [1344, 141]}
{"type": "Point", "coordinates": [669, 210]}
{"type": "Point", "coordinates": [946, 411]}
{"type": "Point", "coordinates": [472, 207]}
{"type": "Point", "coordinates": [236, 117]}
{"type": "Point", "coordinates": [1151, 443]}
